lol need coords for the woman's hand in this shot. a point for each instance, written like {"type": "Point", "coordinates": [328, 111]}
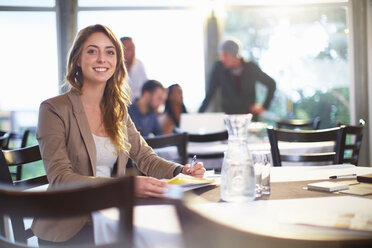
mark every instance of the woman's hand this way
{"type": "Point", "coordinates": [149, 187]}
{"type": "Point", "coordinates": [197, 170]}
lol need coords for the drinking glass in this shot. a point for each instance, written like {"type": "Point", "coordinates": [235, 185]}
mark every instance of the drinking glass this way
{"type": "Point", "coordinates": [262, 162]}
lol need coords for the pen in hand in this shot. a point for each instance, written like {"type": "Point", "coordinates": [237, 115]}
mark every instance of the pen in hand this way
{"type": "Point", "coordinates": [193, 162]}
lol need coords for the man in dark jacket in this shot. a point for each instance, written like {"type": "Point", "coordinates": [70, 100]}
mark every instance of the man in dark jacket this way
{"type": "Point", "coordinates": [237, 80]}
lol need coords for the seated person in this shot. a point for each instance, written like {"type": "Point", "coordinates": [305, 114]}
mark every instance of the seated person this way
{"type": "Point", "coordinates": [86, 136]}
{"type": "Point", "coordinates": [143, 110]}
{"type": "Point", "coordinates": [173, 108]}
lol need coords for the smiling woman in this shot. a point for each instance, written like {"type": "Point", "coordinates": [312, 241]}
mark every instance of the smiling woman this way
{"type": "Point", "coordinates": [87, 136]}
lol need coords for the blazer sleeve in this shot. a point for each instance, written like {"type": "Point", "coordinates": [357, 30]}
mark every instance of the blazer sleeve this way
{"type": "Point", "coordinates": [52, 133]}
{"type": "Point", "coordinates": [148, 162]}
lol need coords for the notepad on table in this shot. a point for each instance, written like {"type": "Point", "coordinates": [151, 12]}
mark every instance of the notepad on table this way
{"type": "Point", "coordinates": [328, 186]}
{"type": "Point", "coordinates": [185, 180]}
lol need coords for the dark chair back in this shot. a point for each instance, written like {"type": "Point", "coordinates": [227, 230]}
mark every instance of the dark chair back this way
{"type": "Point", "coordinates": [20, 157]}
{"type": "Point", "coordinates": [336, 134]}
{"type": "Point", "coordinates": [352, 148]}
{"type": "Point", "coordinates": [210, 137]}
{"type": "Point", "coordinates": [299, 124]}
{"type": "Point", "coordinates": [74, 201]}
{"type": "Point", "coordinates": [4, 139]}
{"type": "Point", "coordinates": [19, 138]}
{"type": "Point", "coordinates": [178, 140]}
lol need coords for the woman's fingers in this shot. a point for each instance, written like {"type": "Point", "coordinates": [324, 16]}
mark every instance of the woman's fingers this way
{"type": "Point", "coordinates": [197, 170]}
{"type": "Point", "coordinates": [149, 187]}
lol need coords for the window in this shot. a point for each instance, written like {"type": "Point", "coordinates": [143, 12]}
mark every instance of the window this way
{"type": "Point", "coordinates": [137, 3]}
{"type": "Point", "coordinates": [29, 68]}
{"type": "Point", "coordinates": [28, 47]}
{"type": "Point", "coordinates": [28, 3]}
{"type": "Point", "coordinates": [299, 47]}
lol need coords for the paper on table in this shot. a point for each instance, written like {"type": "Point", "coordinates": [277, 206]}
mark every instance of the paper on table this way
{"type": "Point", "coordinates": [186, 180]}
{"type": "Point", "coordinates": [182, 183]}
{"type": "Point", "coordinates": [359, 189]}
{"type": "Point", "coordinates": [328, 186]}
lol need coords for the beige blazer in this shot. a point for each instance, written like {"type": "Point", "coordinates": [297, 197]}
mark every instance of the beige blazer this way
{"type": "Point", "coordinates": [69, 155]}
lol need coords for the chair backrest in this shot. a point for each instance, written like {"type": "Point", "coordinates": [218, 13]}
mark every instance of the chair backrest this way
{"type": "Point", "coordinates": [336, 134]}
{"type": "Point", "coordinates": [355, 135]}
{"type": "Point", "coordinates": [19, 138]}
{"type": "Point", "coordinates": [4, 139]}
{"type": "Point", "coordinates": [211, 137]}
{"type": "Point", "coordinates": [74, 201]}
{"type": "Point", "coordinates": [178, 140]}
{"type": "Point", "coordinates": [203, 231]}
{"type": "Point", "coordinates": [299, 124]}
{"type": "Point", "coordinates": [20, 157]}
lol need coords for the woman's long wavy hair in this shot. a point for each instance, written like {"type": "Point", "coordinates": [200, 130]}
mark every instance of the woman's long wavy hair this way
{"type": "Point", "coordinates": [116, 97]}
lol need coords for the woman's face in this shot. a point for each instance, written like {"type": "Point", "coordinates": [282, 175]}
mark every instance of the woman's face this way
{"type": "Point", "coordinates": [98, 59]}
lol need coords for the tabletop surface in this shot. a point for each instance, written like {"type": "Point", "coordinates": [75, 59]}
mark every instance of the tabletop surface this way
{"type": "Point", "coordinates": [291, 211]}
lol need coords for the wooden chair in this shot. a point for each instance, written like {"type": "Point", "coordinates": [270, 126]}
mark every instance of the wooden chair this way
{"type": "Point", "coordinates": [299, 124]}
{"type": "Point", "coordinates": [336, 134]}
{"type": "Point", "coordinates": [20, 157]}
{"type": "Point", "coordinates": [210, 137]}
{"type": "Point", "coordinates": [201, 231]}
{"type": "Point", "coordinates": [352, 148]}
{"type": "Point", "coordinates": [21, 138]}
{"type": "Point", "coordinates": [4, 139]}
{"type": "Point", "coordinates": [74, 201]}
{"type": "Point", "coordinates": [178, 140]}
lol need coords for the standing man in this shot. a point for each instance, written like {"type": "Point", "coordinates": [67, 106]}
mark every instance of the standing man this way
{"type": "Point", "coordinates": [143, 110]}
{"type": "Point", "coordinates": [237, 81]}
{"type": "Point", "coordinates": [135, 68]}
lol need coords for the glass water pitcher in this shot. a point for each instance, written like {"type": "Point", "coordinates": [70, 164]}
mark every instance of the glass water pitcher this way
{"type": "Point", "coordinates": [238, 180]}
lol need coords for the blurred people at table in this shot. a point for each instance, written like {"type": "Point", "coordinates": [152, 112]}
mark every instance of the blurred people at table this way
{"type": "Point", "coordinates": [135, 68]}
{"type": "Point", "coordinates": [83, 133]}
{"type": "Point", "coordinates": [236, 80]}
{"type": "Point", "coordinates": [174, 106]}
{"type": "Point", "coordinates": [143, 110]}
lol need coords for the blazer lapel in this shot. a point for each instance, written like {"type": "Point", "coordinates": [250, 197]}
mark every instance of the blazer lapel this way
{"type": "Point", "coordinates": [84, 128]}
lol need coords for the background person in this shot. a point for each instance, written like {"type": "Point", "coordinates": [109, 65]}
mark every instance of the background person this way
{"type": "Point", "coordinates": [135, 68]}
{"type": "Point", "coordinates": [237, 80]}
{"type": "Point", "coordinates": [174, 107]}
{"type": "Point", "coordinates": [143, 111]}
{"type": "Point", "coordinates": [87, 130]}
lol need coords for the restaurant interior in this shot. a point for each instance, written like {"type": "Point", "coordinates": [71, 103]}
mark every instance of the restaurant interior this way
{"type": "Point", "coordinates": [298, 174]}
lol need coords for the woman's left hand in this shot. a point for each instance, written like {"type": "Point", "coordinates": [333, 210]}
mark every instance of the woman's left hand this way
{"type": "Point", "coordinates": [197, 170]}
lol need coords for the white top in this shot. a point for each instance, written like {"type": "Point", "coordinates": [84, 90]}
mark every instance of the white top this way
{"type": "Point", "coordinates": [106, 156]}
{"type": "Point", "coordinates": [137, 77]}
